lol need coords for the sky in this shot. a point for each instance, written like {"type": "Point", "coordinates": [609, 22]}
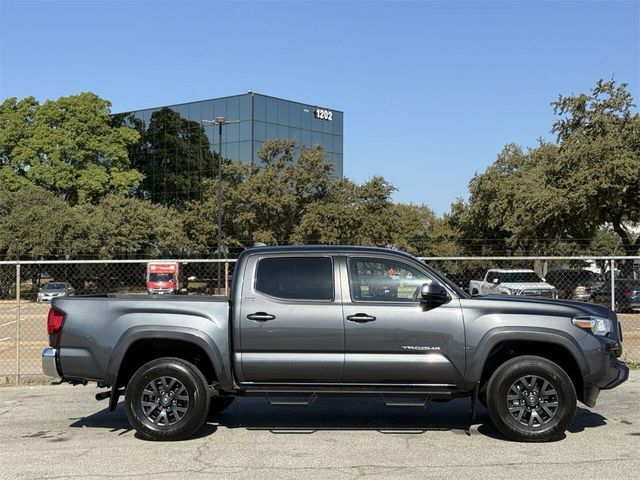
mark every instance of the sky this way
{"type": "Point", "coordinates": [431, 91]}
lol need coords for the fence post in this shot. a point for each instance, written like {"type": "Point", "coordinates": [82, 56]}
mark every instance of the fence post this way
{"type": "Point", "coordinates": [17, 324]}
{"type": "Point", "coordinates": [226, 278]}
{"type": "Point", "coordinates": [613, 284]}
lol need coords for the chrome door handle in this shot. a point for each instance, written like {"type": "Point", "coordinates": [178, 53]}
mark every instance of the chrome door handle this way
{"type": "Point", "coordinates": [261, 316]}
{"type": "Point", "coordinates": [361, 318]}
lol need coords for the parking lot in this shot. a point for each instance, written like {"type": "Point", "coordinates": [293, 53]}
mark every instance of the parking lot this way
{"type": "Point", "coordinates": [60, 431]}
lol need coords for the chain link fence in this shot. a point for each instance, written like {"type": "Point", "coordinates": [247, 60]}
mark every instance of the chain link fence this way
{"type": "Point", "coordinates": [26, 289]}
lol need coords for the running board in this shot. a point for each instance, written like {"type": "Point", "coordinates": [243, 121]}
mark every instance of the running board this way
{"type": "Point", "coordinates": [281, 402]}
{"type": "Point", "coordinates": [393, 396]}
{"type": "Point", "coordinates": [420, 402]}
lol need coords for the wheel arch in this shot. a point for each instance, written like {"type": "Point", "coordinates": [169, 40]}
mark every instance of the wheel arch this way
{"type": "Point", "coordinates": [140, 345]}
{"type": "Point", "coordinates": [502, 346]}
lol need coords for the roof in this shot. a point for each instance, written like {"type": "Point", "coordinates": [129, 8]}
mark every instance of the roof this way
{"type": "Point", "coordinates": [327, 249]}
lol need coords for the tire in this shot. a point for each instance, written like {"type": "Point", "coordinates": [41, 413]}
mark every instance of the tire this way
{"type": "Point", "coordinates": [218, 404]}
{"type": "Point", "coordinates": [541, 416]}
{"type": "Point", "coordinates": [167, 399]}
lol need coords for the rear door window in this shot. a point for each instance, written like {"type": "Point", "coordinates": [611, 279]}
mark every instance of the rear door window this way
{"type": "Point", "coordinates": [296, 278]}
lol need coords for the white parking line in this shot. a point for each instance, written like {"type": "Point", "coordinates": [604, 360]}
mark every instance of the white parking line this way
{"type": "Point", "coordinates": [8, 323]}
{"type": "Point", "coordinates": [5, 338]}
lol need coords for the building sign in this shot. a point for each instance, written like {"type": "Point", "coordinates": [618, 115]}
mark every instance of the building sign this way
{"type": "Point", "coordinates": [323, 114]}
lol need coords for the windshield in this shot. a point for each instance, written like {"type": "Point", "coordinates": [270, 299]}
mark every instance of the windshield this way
{"type": "Point", "coordinates": [54, 286]}
{"type": "Point", "coordinates": [519, 277]}
{"type": "Point", "coordinates": [161, 277]}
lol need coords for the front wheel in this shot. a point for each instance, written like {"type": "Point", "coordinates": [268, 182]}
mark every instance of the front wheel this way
{"type": "Point", "coordinates": [531, 399]}
{"type": "Point", "coordinates": [167, 399]}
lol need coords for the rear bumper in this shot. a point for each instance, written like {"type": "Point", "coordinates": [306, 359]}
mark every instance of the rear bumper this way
{"type": "Point", "coordinates": [50, 362]}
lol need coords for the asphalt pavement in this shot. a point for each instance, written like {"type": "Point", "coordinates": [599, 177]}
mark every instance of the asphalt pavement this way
{"type": "Point", "coordinates": [60, 431]}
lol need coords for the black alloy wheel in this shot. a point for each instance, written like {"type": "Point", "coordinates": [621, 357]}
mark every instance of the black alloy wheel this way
{"type": "Point", "coordinates": [531, 399]}
{"type": "Point", "coordinates": [167, 399]}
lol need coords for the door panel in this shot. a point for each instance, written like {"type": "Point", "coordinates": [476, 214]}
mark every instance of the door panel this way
{"type": "Point", "coordinates": [405, 343]}
{"type": "Point", "coordinates": [290, 340]}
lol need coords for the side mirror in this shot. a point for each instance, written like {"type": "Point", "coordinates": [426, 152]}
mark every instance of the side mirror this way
{"type": "Point", "coordinates": [433, 294]}
{"type": "Point", "coordinates": [496, 280]}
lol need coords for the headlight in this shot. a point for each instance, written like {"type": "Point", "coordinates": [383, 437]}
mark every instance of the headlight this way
{"type": "Point", "coordinates": [597, 325]}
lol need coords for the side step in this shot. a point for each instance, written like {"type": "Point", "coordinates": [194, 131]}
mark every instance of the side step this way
{"type": "Point", "coordinates": [281, 401]}
{"type": "Point", "coordinates": [392, 396]}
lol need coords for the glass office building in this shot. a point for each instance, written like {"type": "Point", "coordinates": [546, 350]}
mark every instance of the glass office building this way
{"type": "Point", "coordinates": [178, 146]}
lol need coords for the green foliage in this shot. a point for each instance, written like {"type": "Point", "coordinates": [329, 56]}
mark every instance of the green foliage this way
{"type": "Point", "coordinates": [548, 199]}
{"type": "Point", "coordinates": [67, 146]}
{"type": "Point", "coordinates": [37, 223]}
{"type": "Point", "coordinates": [123, 227]}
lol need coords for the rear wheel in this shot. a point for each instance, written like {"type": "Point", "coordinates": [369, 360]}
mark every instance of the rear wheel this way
{"type": "Point", "coordinates": [531, 399]}
{"type": "Point", "coordinates": [167, 399]}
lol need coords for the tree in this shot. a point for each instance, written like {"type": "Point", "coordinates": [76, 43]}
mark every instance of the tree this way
{"type": "Point", "coordinates": [67, 146]}
{"type": "Point", "coordinates": [599, 161]}
{"type": "Point", "coordinates": [549, 199]}
{"type": "Point", "coordinates": [515, 207]}
{"type": "Point", "coordinates": [120, 227]}
{"type": "Point", "coordinates": [351, 215]}
{"type": "Point", "coordinates": [35, 223]}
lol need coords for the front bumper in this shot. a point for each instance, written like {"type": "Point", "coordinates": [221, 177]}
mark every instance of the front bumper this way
{"type": "Point", "coordinates": [50, 362]}
{"type": "Point", "coordinates": [618, 373]}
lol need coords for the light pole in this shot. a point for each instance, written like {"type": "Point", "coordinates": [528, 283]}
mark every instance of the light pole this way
{"type": "Point", "coordinates": [220, 121]}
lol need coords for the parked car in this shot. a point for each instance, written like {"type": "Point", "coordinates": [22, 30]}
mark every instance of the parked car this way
{"type": "Point", "coordinates": [512, 282]}
{"type": "Point", "coordinates": [51, 290]}
{"type": "Point", "coordinates": [627, 294]}
{"type": "Point", "coordinates": [574, 284]}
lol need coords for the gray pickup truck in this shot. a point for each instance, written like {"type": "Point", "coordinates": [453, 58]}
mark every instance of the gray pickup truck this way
{"type": "Point", "coordinates": [324, 320]}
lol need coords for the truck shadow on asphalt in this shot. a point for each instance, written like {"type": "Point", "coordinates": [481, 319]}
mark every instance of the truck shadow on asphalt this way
{"type": "Point", "coordinates": [342, 414]}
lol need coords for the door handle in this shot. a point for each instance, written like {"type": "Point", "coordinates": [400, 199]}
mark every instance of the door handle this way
{"type": "Point", "coordinates": [361, 318]}
{"type": "Point", "coordinates": [261, 316]}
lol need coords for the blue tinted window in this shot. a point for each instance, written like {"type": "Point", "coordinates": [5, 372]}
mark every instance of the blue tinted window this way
{"type": "Point", "coordinates": [337, 144]}
{"type": "Point", "coordinates": [231, 132]}
{"type": "Point", "coordinates": [260, 131]}
{"type": "Point", "coordinates": [327, 126]}
{"type": "Point", "coordinates": [272, 131]}
{"type": "Point", "coordinates": [233, 151]}
{"type": "Point", "coordinates": [220, 108]}
{"type": "Point", "coordinates": [245, 107]}
{"type": "Point", "coordinates": [316, 123]}
{"type": "Point", "coordinates": [305, 118]}
{"type": "Point", "coordinates": [195, 111]}
{"type": "Point", "coordinates": [256, 148]}
{"type": "Point", "coordinates": [183, 110]}
{"type": "Point", "coordinates": [245, 152]}
{"type": "Point", "coordinates": [294, 114]}
{"type": "Point", "coordinates": [283, 132]}
{"type": "Point", "coordinates": [296, 135]}
{"type": "Point", "coordinates": [206, 110]}
{"type": "Point", "coordinates": [272, 110]}
{"type": "Point", "coordinates": [245, 130]}
{"type": "Point", "coordinates": [283, 112]}
{"type": "Point", "coordinates": [233, 108]}
{"type": "Point", "coordinates": [305, 138]}
{"type": "Point", "coordinates": [259, 108]}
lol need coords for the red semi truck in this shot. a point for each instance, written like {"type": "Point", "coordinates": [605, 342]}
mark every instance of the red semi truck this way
{"type": "Point", "coordinates": [163, 277]}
